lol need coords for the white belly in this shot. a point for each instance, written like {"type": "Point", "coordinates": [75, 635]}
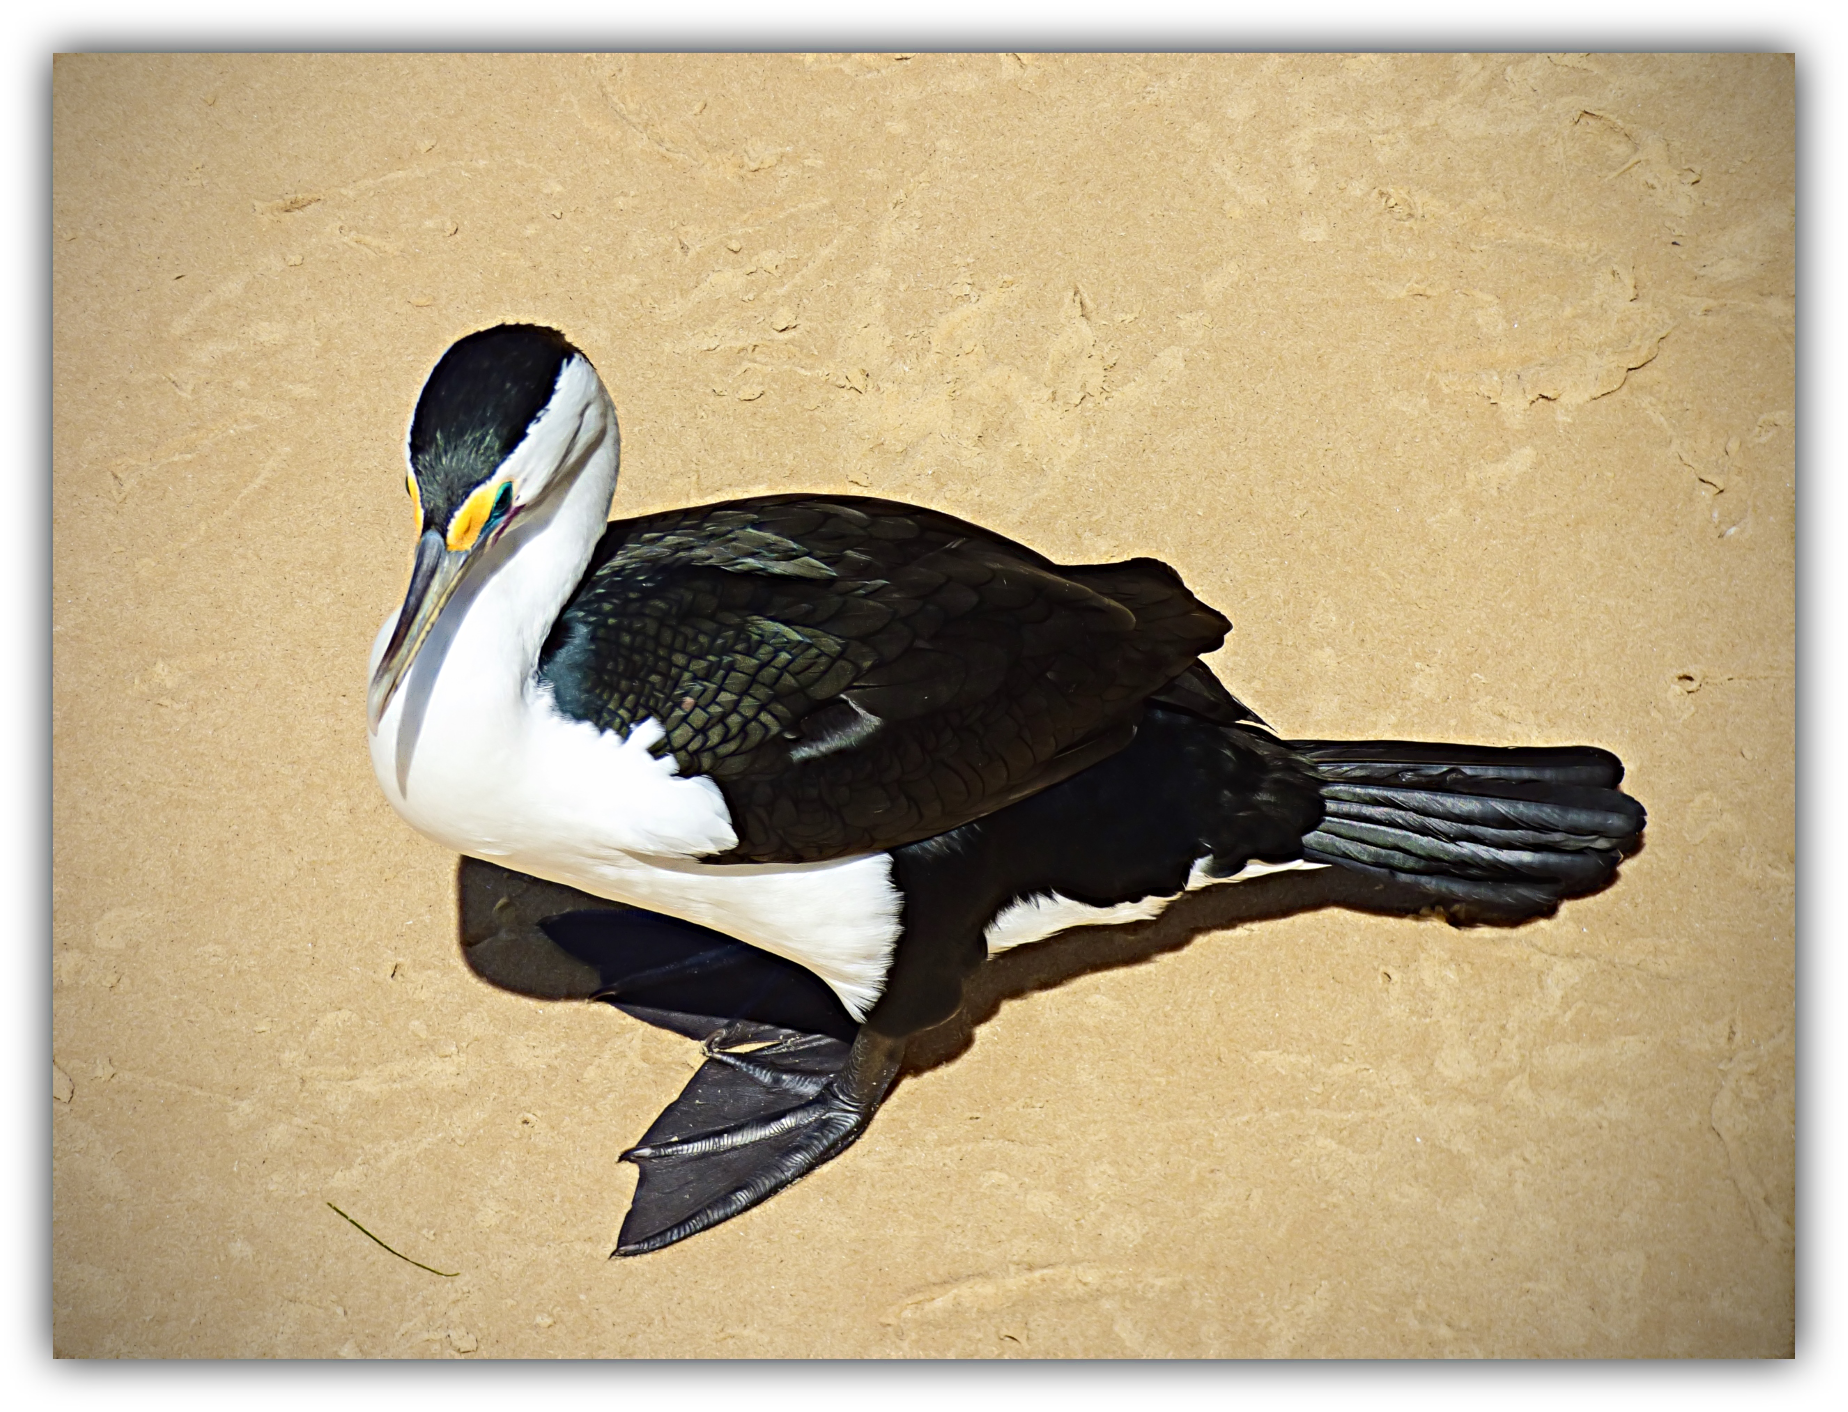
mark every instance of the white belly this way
{"type": "Point", "coordinates": [840, 919]}
{"type": "Point", "coordinates": [1036, 918]}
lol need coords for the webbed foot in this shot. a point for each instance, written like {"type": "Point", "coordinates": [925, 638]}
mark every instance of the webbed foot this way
{"type": "Point", "coordinates": [749, 1124]}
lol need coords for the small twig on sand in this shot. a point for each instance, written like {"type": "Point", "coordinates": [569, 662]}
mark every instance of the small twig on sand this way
{"type": "Point", "coordinates": [446, 1274]}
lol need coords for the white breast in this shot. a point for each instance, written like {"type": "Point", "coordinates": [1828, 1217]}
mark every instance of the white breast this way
{"type": "Point", "coordinates": [473, 754]}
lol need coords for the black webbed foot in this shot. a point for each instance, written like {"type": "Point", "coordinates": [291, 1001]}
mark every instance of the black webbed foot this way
{"type": "Point", "coordinates": [793, 1064]}
{"type": "Point", "coordinates": [749, 1124]}
{"type": "Point", "coordinates": [785, 1106]}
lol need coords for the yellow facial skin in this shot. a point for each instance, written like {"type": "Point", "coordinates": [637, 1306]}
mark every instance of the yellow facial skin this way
{"type": "Point", "coordinates": [465, 528]}
{"type": "Point", "coordinates": [410, 484]}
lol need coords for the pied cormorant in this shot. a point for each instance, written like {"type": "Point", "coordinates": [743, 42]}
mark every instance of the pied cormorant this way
{"type": "Point", "coordinates": [868, 738]}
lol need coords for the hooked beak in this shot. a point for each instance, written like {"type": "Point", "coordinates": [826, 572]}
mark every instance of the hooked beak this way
{"type": "Point", "coordinates": [435, 574]}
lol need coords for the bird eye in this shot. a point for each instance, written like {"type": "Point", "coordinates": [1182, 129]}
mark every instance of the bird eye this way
{"type": "Point", "coordinates": [503, 505]}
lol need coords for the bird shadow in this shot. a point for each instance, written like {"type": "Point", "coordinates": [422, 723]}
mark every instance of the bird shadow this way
{"type": "Point", "coordinates": [1089, 950]}
{"type": "Point", "coordinates": [508, 921]}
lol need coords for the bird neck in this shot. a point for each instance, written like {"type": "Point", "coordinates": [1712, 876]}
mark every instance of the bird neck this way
{"type": "Point", "coordinates": [544, 561]}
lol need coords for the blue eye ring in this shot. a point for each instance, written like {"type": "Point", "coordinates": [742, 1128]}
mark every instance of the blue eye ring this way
{"type": "Point", "coordinates": [502, 507]}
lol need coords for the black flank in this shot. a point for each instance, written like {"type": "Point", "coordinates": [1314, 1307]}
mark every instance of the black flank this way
{"type": "Point", "coordinates": [1131, 826]}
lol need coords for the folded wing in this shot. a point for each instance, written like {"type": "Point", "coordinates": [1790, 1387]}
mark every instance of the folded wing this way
{"type": "Point", "coordinates": [856, 674]}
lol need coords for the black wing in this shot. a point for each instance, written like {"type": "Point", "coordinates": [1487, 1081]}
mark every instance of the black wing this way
{"type": "Point", "coordinates": [857, 674]}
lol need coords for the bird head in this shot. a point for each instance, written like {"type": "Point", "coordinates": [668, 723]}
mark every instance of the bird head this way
{"type": "Point", "coordinates": [506, 420]}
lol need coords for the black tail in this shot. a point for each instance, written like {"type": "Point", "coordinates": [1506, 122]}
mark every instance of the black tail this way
{"type": "Point", "coordinates": [1489, 833]}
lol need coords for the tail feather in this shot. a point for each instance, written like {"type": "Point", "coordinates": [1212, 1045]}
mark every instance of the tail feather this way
{"type": "Point", "coordinates": [1405, 761]}
{"type": "Point", "coordinates": [1492, 818]}
{"type": "Point", "coordinates": [1412, 850]}
{"type": "Point", "coordinates": [1487, 831]}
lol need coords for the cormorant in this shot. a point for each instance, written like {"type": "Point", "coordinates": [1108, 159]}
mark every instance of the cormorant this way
{"type": "Point", "coordinates": [869, 738]}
